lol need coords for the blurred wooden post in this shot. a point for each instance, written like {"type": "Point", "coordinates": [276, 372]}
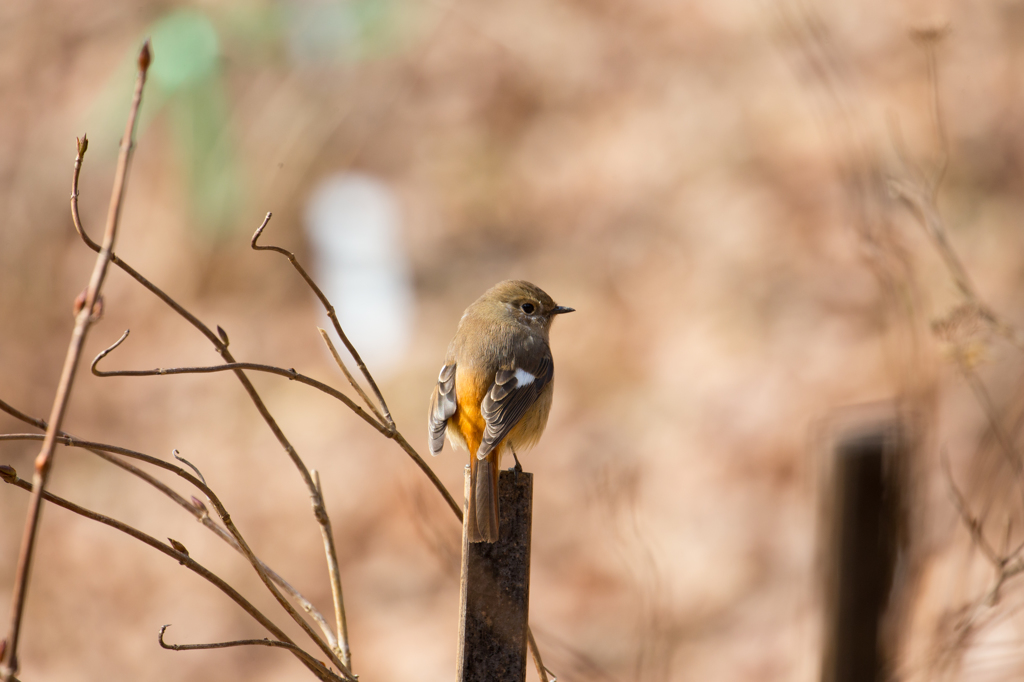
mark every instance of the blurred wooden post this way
{"type": "Point", "coordinates": [862, 554]}
{"type": "Point", "coordinates": [495, 589]}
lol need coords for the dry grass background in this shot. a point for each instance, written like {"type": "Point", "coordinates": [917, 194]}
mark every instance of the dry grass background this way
{"type": "Point", "coordinates": [680, 173]}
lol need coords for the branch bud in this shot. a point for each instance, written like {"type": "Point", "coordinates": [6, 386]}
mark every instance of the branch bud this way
{"type": "Point", "coordinates": [97, 307]}
{"type": "Point", "coordinates": [145, 56]}
{"type": "Point", "coordinates": [178, 546]}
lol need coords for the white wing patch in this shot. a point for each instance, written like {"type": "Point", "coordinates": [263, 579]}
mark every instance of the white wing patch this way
{"type": "Point", "coordinates": [523, 378]}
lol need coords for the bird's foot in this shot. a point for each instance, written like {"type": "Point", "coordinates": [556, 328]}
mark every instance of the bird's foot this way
{"type": "Point", "coordinates": [518, 468]}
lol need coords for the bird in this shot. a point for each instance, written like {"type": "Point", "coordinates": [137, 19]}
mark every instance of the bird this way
{"type": "Point", "coordinates": [494, 390]}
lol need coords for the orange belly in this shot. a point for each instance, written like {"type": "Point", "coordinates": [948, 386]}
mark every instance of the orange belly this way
{"type": "Point", "coordinates": [467, 418]}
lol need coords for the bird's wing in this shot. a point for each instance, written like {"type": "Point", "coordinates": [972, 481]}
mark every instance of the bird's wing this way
{"type": "Point", "coordinates": [513, 392]}
{"type": "Point", "coordinates": [442, 407]}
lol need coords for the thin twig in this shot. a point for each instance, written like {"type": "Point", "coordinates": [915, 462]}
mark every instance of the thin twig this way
{"type": "Point", "coordinates": [194, 507]}
{"type": "Point", "coordinates": [237, 541]}
{"type": "Point", "coordinates": [1006, 566]}
{"type": "Point", "coordinates": [929, 38]}
{"type": "Point", "coordinates": [986, 601]}
{"type": "Point", "coordinates": [973, 525]}
{"type": "Point", "coordinates": [348, 375]}
{"type": "Point", "coordinates": [330, 313]}
{"type": "Point", "coordinates": [919, 202]}
{"type": "Point", "coordinates": [221, 346]}
{"type": "Point", "coordinates": [220, 342]}
{"type": "Point", "coordinates": [70, 441]}
{"type": "Point", "coordinates": [537, 662]}
{"type": "Point", "coordinates": [920, 193]}
{"type": "Point", "coordinates": [940, 127]}
{"type": "Point", "coordinates": [84, 319]}
{"type": "Point", "coordinates": [198, 510]}
{"type": "Point", "coordinates": [176, 455]}
{"type": "Point", "coordinates": [309, 660]}
{"type": "Point", "coordinates": [335, 575]}
{"type": "Point", "coordinates": [295, 376]}
{"type": "Point", "coordinates": [234, 366]}
{"type": "Point", "coordinates": [988, 407]}
{"type": "Point", "coordinates": [8, 475]}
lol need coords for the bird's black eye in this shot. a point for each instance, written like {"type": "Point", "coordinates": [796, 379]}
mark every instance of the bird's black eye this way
{"type": "Point", "coordinates": [527, 308]}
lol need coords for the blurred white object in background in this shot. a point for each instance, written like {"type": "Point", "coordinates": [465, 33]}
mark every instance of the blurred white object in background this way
{"type": "Point", "coordinates": [353, 224]}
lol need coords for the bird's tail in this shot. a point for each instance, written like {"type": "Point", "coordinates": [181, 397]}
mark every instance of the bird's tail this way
{"type": "Point", "coordinates": [483, 499]}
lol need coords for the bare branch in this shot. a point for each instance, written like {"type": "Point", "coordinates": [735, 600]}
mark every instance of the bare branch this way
{"type": "Point", "coordinates": [190, 465]}
{"type": "Point", "coordinates": [929, 38]}
{"type": "Point", "coordinates": [330, 313]}
{"type": "Point", "coordinates": [542, 672]}
{"type": "Point", "coordinates": [234, 366]}
{"type": "Point", "coordinates": [102, 451]}
{"type": "Point", "coordinates": [335, 576]}
{"type": "Point", "coordinates": [238, 541]}
{"type": "Point", "coordinates": [921, 193]}
{"type": "Point", "coordinates": [9, 476]}
{"type": "Point", "coordinates": [348, 375]}
{"type": "Point", "coordinates": [972, 524]}
{"type": "Point", "coordinates": [221, 346]}
{"type": "Point", "coordinates": [306, 658]}
{"type": "Point", "coordinates": [194, 507]}
{"type": "Point", "coordinates": [295, 376]}
{"type": "Point", "coordinates": [918, 200]}
{"type": "Point", "coordinates": [1006, 566]}
{"type": "Point", "coordinates": [988, 407]}
{"type": "Point", "coordinates": [83, 321]}
{"type": "Point", "coordinates": [219, 341]}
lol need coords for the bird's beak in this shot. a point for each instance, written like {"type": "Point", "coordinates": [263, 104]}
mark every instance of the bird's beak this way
{"type": "Point", "coordinates": [559, 309]}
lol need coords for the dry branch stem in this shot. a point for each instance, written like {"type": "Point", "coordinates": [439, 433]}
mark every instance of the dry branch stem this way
{"type": "Point", "coordinates": [306, 658]}
{"type": "Point", "coordinates": [921, 196]}
{"type": "Point", "coordinates": [330, 313]}
{"type": "Point", "coordinates": [921, 205]}
{"type": "Point", "coordinates": [972, 524]}
{"type": "Point", "coordinates": [1006, 565]}
{"type": "Point", "coordinates": [83, 321]}
{"type": "Point", "coordinates": [234, 366]}
{"type": "Point", "coordinates": [202, 515]}
{"type": "Point", "coordinates": [988, 407]}
{"type": "Point", "coordinates": [930, 45]}
{"type": "Point", "coordinates": [222, 348]}
{"type": "Point", "coordinates": [237, 367]}
{"type": "Point", "coordinates": [265, 577]}
{"type": "Point", "coordinates": [182, 558]}
{"type": "Point", "coordinates": [335, 575]}
{"type": "Point", "coordinates": [537, 662]}
{"type": "Point", "coordinates": [348, 375]}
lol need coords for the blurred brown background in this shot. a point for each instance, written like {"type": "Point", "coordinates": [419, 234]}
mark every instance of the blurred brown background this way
{"type": "Point", "coordinates": [705, 182]}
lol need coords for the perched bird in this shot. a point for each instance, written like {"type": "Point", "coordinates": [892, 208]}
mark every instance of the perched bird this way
{"type": "Point", "coordinates": [494, 390]}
